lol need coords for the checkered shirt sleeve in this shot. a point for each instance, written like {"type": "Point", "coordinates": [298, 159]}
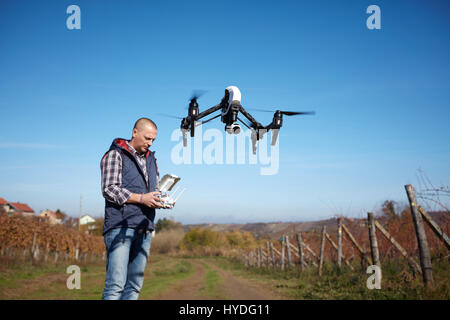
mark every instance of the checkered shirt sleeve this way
{"type": "Point", "coordinates": [111, 167]}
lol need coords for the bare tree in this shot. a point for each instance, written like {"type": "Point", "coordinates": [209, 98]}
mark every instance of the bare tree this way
{"type": "Point", "coordinates": [434, 197]}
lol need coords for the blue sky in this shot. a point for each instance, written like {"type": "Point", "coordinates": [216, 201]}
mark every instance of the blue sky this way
{"type": "Point", "coordinates": [381, 99]}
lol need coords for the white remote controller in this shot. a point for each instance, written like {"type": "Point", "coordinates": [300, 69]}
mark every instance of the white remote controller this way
{"type": "Point", "coordinates": [166, 184]}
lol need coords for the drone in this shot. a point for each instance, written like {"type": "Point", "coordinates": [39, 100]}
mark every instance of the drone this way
{"type": "Point", "coordinates": [230, 107]}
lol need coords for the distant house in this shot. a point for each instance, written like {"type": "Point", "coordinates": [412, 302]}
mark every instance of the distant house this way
{"type": "Point", "coordinates": [3, 203]}
{"type": "Point", "coordinates": [86, 219]}
{"type": "Point", "coordinates": [50, 216]}
{"type": "Point", "coordinates": [17, 208]}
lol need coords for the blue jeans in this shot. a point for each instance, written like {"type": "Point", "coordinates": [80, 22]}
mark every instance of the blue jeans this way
{"type": "Point", "coordinates": [127, 254]}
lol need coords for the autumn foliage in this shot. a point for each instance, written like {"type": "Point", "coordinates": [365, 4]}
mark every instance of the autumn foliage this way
{"type": "Point", "coordinates": [17, 232]}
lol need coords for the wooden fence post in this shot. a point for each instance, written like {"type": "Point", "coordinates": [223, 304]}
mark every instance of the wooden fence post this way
{"type": "Point", "coordinates": [272, 254]}
{"type": "Point", "coordinates": [434, 226]}
{"type": "Point", "coordinates": [300, 250]}
{"type": "Point", "coordinates": [47, 250]}
{"type": "Point", "coordinates": [362, 252]}
{"type": "Point", "coordinates": [264, 256]}
{"type": "Point", "coordinates": [295, 252]}
{"type": "Point", "coordinates": [336, 248]}
{"type": "Point", "coordinates": [33, 245]}
{"type": "Point", "coordinates": [373, 240]}
{"type": "Point", "coordinates": [424, 250]}
{"type": "Point", "coordinates": [268, 253]}
{"type": "Point", "coordinates": [288, 250]}
{"type": "Point", "coordinates": [411, 261]}
{"type": "Point", "coordinates": [282, 253]}
{"type": "Point", "coordinates": [312, 253]}
{"type": "Point", "coordinates": [259, 257]}
{"type": "Point", "coordinates": [339, 248]}
{"type": "Point", "coordinates": [322, 250]}
{"type": "Point", "coordinates": [36, 253]}
{"type": "Point", "coordinates": [77, 252]}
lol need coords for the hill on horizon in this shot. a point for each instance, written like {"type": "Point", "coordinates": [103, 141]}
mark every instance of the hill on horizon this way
{"type": "Point", "coordinates": [275, 230]}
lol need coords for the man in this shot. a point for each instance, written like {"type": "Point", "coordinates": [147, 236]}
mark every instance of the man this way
{"type": "Point", "coordinates": [129, 177]}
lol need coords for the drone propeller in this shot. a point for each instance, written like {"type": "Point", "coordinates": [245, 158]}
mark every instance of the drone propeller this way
{"type": "Point", "coordinates": [193, 108]}
{"type": "Point", "coordinates": [169, 116]}
{"type": "Point", "coordinates": [197, 94]}
{"type": "Point", "coordinates": [293, 113]}
{"type": "Point", "coordinates": [287, 113]}
{"type": "Point", "coordinates": [259, 110]}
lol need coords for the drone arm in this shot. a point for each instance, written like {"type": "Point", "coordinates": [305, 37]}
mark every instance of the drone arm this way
{"type": "Point", "coordinates": [243, 123]}
{"type": "Point", "coordinates": [203, 122]}
{"type": "Point", "coordinates": [208, 112]}
{"type": "Point", "coordinates": [255, 123]}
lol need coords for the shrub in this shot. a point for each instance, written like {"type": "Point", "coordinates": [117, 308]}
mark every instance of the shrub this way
{"type": "Point", "coordinates": [199, 237]}
{"type": "Point", "coordinates": [166, 241]}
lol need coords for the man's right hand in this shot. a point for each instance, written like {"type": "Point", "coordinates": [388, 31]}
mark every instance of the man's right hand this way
{"type": "Point", "coordinates": [152, 200]}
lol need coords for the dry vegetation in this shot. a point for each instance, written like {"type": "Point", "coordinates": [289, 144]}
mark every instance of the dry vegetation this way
{"type": "Point", "coordinates": [166, 241]}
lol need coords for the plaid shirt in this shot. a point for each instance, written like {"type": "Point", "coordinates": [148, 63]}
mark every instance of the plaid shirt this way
{"type": "Point", "coordinates": [111, 167]}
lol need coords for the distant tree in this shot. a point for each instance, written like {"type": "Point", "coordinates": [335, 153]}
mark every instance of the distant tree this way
{"type": "Point", "coordinates": [390, 210]}
{"type": "Point", "coordinates": [167, 224]}
{"type": "Point", "coordinates": [406, 212]}
{"type": "Point", "coordinates": [60, 215]}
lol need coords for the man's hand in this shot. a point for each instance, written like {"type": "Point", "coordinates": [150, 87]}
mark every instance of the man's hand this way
{"type": "Point", "coordinates": [152, 200]}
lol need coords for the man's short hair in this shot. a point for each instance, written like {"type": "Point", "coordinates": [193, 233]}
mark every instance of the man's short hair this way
{"type": "Point", "coordinates": [144, 121]}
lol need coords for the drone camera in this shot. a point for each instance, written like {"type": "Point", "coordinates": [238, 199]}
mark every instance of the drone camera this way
{"type": "Point", "coordinates": [235, 128]}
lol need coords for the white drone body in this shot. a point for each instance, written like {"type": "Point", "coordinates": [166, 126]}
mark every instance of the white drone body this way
{"type": "Point", "coordinates": [166, 184]}
{"type": "Point", "coordinates": [234, 98]}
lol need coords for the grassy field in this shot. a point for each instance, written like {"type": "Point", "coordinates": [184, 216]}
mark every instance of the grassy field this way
{"type": "Point", "coordinates": [205, 278]}
{"type": "Point", "coordinates": [49, 282]}
{"type": "Point", "coordinates": [397, 282]}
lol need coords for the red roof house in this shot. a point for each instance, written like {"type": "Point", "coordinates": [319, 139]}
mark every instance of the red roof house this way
{"type": "Point", "coordinates": [21, 207]}
{"type": "Point", "coordinates": [18, 208]}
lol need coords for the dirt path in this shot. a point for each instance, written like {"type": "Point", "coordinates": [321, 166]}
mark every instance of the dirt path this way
{"type": "Point", "coordinates": [188, 289]}
{"type": "Point", "coordinates": [230, 287]}
{"type": "Point", "coordinates": [236, 288]}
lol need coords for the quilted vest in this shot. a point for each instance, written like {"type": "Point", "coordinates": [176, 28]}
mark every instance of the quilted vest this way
{"type": "Point", "coordinates": [132, 215]}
